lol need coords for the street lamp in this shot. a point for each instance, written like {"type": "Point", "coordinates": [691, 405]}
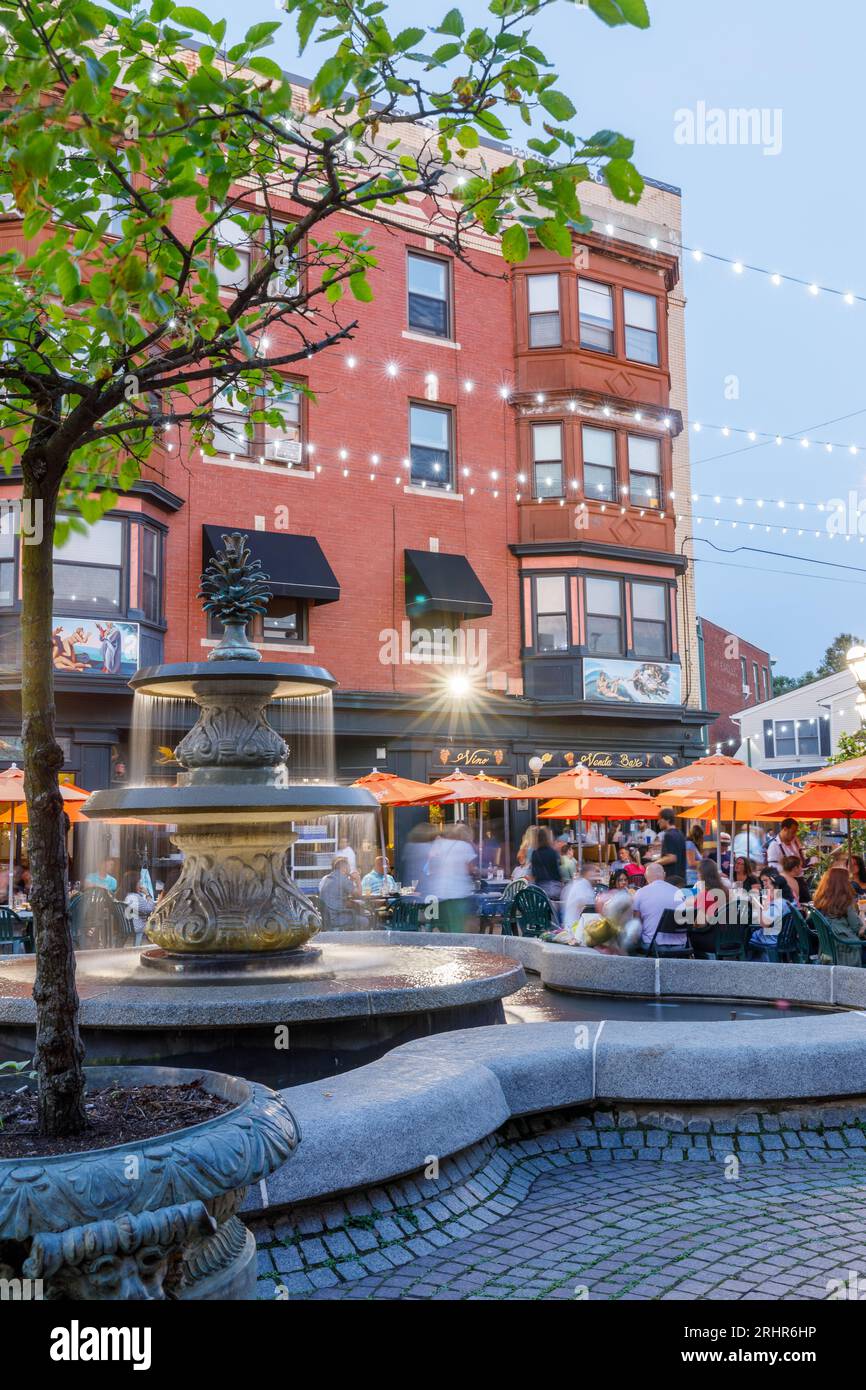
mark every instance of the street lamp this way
{"type": "Point", "coordinates": [856, 659]}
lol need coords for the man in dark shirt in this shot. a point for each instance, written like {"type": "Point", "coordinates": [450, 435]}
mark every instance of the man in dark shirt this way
{"type": "Point", "coordinates": [673, 852]}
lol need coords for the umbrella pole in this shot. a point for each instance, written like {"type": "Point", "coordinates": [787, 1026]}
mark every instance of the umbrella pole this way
{"type": "Point", "coordinates": [719, 831]}
{"type": "Point", "coordinates": [11, 848]}
{"type": "Point", "coordinates": [580, 834]}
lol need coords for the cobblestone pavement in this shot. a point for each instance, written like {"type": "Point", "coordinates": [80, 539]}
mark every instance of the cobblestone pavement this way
{"type": "Point", "coordinates": [652, 1231]}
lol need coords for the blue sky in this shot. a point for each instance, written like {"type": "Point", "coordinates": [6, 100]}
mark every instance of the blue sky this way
{"type": "Point", "coordinates": [797, 358]}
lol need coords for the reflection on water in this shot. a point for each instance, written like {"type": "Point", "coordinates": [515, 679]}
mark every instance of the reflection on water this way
{"type": "Point", "coordinates": [537, 1004]}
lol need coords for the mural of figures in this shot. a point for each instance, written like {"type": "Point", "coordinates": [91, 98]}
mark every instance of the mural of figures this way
{"type": "Point", "coordinates": [631, 682]}
{"type": "Point", "coordinates": [100, 647]}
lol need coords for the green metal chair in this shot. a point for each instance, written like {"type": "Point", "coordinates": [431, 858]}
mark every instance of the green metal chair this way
{"type": "Point", "coordinates": [787, 947]}
{"type": "Point", "coordinates": [731, 934]}
{"type": "Point", "coordinates": [13, 930]}
{"type": "Point", "coordinates": [407, 916]}
{"type": "Point", "coordinates": [826, 940]}
{"type": "Point", "coordinates": [509, 894]}
{"type": "Point", "coordinates": [529, 913]}
{"type": "Point", "coordinates": [807, 941]}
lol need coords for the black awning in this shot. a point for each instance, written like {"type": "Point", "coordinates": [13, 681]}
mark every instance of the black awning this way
{"type": "Point", "coordinates": [443, 584]}
{"type": "Point", "coordinates": [295, 565]}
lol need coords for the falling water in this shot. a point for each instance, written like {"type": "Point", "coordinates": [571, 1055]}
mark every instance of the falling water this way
{"type": "Point", "coordinates": [307, 725]}
{"type": "Point", "coordinates": [157, 726]}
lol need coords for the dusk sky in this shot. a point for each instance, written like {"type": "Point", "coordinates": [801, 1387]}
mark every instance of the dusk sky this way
{"type": "Point", "coordinates": [797, 357]}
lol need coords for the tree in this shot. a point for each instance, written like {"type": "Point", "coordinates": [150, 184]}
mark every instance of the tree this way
{"type": "Point", "coordinates": [115, 323]}
{"type": "Point", "coordinates": [834, 658]}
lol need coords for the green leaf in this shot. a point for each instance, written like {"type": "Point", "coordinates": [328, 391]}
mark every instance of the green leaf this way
{"type": "Point", "coordinates": [191, 18]}
{"type": "Point", "coordinates": [267, 68]}
{"type": "Point", "coordinates": [555, 236]}
{"type": "Point", "coordinates": [468, 137]}
{"type": "Point", "coordinates": [68, 279]}
{"type": "Point", "coordinates": [635, 12]}
{"type": "Point", "coordinates": [558, 104]}
{"type": "Point", "coordinates": [515, 243]}
{"type": "Point", "coordinates": [359, 287]}
{"type": "Point", "coordinates": [306, 24]}
{"type": "Point", "coordinates": [446, 52]}
{"type": "Point", "coordinates": [334, 291]}
{"type": "Point", "coordinates": [249, 350]}
{"type": "Point", "coordinates": [408, 38]}
{"type": "Point", "coordinates": [452, 23]}
{"type": "Point", "coordinates": [258, 34]}
{"type": "Point", "coordinates": [329, 82]}
{"type": "Point", "coordinates": [623, 180]}
{"type": "Point", "coordinates": [160, 9]}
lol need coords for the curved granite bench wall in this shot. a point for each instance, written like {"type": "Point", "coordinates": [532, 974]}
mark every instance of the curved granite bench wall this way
{"type": "Point", "coordinates": [435, 1096]}
{"type": "Point", "coordinates": [588, 972]}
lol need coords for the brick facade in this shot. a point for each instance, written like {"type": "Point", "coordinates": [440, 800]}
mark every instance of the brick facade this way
{"type": "Point", "coordinates": [727, 691]}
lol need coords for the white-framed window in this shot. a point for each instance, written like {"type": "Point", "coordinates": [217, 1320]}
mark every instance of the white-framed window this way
{"type": "Point", "coordinates": [644, 471]}
{"type": "Point", "coordinates": [230, 416]}
{"type": "Point", "coordinates": [640, 313]}
{"type": "Point", "coordinates": [604, 616]}
{"type": "Point", "coordinates": [229, 234]}
{"type": "Point", "coordinates": [599, 464]}
{"type": "Point", "coordinates": [284, 282]}
{"type": "Point", "coordinates": [283, 442]}
{"type": "Point", "coordinates": [796, 737]}
{"type": "Point", "coordinates": [430, 445]}
{"type": "Point", "coordinates": [649, 620]}
{"type": "Point", "coordinates": [551, 613]}
{"type": "Point", "coordinates": [547, 460]}
{"type": "Point", "coordinates": [429, 295]}
{"type": "Point", "coordinates": [596, 316]}
{"type": "Point", "coordinates": [545, 328]}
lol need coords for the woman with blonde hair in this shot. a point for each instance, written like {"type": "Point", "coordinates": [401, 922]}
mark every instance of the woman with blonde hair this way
{"type": "Point", "coordinates": [524, 855]}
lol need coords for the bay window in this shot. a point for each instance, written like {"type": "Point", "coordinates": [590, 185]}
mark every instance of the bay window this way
{"type": "Point", "coordinates": [599, 464]}
{"type": "Point", "coordinates": [596, 316]}
{"type": "Point", "coordinates": [88, 570]}
{"type": "Point", "coordinates": [641, 327]}
{"type": "Point", "coordinates": [604, 616]}
{"type": "Point", "coordinates": [644, 471]}
{"type": "Point", "coordinates": [544, 319]}
{"type": "Point", "coordinates": [649, 620]}
{"type": "Point", "coordinates": [429, 295]}
{"type": "Point", "coordinates": [430, 446]}
{"type": "Point", "coordinates": [551, 613]}
{"type": "Point", "coordinates": [547, 460]}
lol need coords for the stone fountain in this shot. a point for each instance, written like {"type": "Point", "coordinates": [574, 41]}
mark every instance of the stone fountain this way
{"type": "Point", "coordinates": [229, 978]}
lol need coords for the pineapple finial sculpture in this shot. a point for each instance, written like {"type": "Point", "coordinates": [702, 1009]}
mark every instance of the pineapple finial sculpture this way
{"type": "Point", "coordinates": [234, 589]}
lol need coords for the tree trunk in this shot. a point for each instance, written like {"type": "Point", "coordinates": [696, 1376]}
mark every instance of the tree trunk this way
{"type": "Point", "coordinates": [59, 1049]}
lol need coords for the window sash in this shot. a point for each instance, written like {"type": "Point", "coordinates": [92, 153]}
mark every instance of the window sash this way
{"type": "Point", "coordinates": [599, 482]}
{"type": "Point", "coordinates": [649, 602]}
{"type": "Point", "coordinates": [603, 635]}
{"type": "Point", "coordinates": [547, 479]}
{"type": "Point", "coordinates": [551, 632]}
{"type": "Point", "coordinates": [650, 638]}
{"type": "Point", "coordinates": [641, 327]}
{"type": "Point", "coordinates": [87, 588]}
{"type": "Point", "coordinates": [430, 457]}
{"type": "Point", "coordinates": [605, 623]}
{"type": "Point", "coordinates": [595, 307]}
{"type": "Point", "coordinates": [428, 301]}
{"type": "Point", "coordinates": [545, 328]}
{"type": "Point", "coordinates": [785, 742]}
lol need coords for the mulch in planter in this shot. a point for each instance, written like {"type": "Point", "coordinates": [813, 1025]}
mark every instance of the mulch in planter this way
{"type": "Point", "coordinates": [116, 1115]}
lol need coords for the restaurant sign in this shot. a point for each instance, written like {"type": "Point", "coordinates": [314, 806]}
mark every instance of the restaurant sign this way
{"type": "Point", "coordinates": [469, 757]}
{"type": "Point", "coordinates": [610, 761]}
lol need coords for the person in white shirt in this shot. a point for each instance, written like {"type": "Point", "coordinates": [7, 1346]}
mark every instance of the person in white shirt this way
{"type": "Point", "coordinates": [650, 902]}
{"type": "Point", "coordinates": [579, 895]}
{"type": "Point", "coordinates": [750, 844]}
{"type": "Point", "coordinates": [451, 883]}
{"type": "Point", "coordinates": [786, 845]}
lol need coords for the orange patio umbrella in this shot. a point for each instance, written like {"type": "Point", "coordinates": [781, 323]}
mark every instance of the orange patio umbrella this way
{"type": "Point", "coordinates": [457, 788]}
{"type": "Point", "coordinates": [391, 790]}
{"type": "Point", "coordinates": [724, 780]}
{"type": "Point", "coordinates": [14, 807]}
{"type": "Point", "coordinates": [848, 774]}
{"type": "Point", "coordinates": [586, 788]}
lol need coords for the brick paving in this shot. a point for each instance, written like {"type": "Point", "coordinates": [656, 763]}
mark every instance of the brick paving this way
{"type": "Point", "coordinates": [651, 1230]}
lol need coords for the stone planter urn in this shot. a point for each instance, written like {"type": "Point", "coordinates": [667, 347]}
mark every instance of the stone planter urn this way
{"type": "Point", "coordinates": [152, 1219]}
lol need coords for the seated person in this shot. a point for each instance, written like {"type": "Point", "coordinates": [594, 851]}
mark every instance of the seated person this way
{"type": "Point", "coordinates": [772, 903]}
{"type": "Point", "coordinates": [379, 880]}
{"type": "Point", "coordinates": [579, 895]}
{"type": "Point", "coordinates": [337, 893]}
{"type": "Point", "coordinates": [857, 871]}
{"type": "Point", "coordinates": [657, 895]}
{"type": "Point", "coordinates": [836, 900]}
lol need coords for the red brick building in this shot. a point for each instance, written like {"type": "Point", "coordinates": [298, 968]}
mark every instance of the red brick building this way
{"type": "Point", "coordinates": [736, 674]}
{"type": "Point", "coordinates": [495, 459]}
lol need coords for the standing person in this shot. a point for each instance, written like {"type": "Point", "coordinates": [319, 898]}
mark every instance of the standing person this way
{"type": "Point", "coordinates": [787, 845]}
{"type": "Point", "coordinates": [751, 844]}
{"type": "Point", "coordinates": [656, 896]}
{"type": "Point", "coordinates": [346, 852]}
{"type": "Point", "coordinates": [452, 884]}
{"type": "Point", "coordinates": [491, 853]}
{"type": "Point", "coordinates": [694, 853]}
{"type": "Point", "coordinates": [416, 857]}
{"type": "Point", "coordinates": [139, 904]}
{"type": "Point", "coordinates": [544, 865]}
{"type": "Point", "coordinates": [672, 855]}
